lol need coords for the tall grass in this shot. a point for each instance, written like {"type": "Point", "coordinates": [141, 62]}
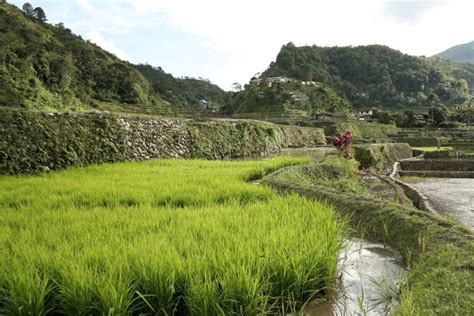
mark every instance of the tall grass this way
{"type": "Point", "coordinates": [161, 237]}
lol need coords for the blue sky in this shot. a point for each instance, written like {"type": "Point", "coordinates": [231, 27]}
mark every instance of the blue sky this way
{"type": "Point", "coordinates": [229, 41]}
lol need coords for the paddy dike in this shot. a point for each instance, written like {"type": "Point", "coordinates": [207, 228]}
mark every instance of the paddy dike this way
{"type": "Point", "coordinates": [438, 251]}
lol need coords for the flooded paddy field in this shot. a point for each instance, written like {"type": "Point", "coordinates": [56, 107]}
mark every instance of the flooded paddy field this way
{"type": "Point", "coordinates": [453, 198]}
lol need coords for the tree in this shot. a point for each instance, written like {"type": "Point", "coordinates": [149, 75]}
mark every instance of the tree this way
{"type": "Point", "coordinates": [28, 10]}
{"type": "Point", "coordinates": [236, 87]}
{"type": "Point", "coordinates": [439, 115]}
{"type": "Point", "coordinates": [410, 118]}
{"type": "Point", "coordinates": [39, 14]}
{"type": "Point", "coordinates": [385, 118]}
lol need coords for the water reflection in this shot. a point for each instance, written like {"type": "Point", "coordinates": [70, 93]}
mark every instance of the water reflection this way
{"type": "Point", "coordinates": [368, 284]}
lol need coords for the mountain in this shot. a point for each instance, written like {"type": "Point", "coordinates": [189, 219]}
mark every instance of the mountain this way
{"type": "Point", "coordinates": [48, 67]}
{"type": "Point", "coordinates": [462, 53]}
{"type": "Point", "coordinates": [372, 75]}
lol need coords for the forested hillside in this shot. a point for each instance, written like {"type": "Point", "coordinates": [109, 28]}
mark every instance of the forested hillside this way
{"type": "Point", "coordinates": [49, 67]}
{"type": "Point", "coordinates": [184, 93]}
{"type": "Point", "coordinates": [461, 53]}
{"type": "Point", "coordinates": [372, 75]}
{"type": "Point", "coordinates": [456, 69]}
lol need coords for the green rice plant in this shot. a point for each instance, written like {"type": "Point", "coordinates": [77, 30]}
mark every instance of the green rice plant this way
{"type": "Point", "coordinates": [162, 237]}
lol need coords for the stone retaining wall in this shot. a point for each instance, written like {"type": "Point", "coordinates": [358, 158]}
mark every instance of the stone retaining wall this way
{"type": "Point", "coordinates": [32, 142]}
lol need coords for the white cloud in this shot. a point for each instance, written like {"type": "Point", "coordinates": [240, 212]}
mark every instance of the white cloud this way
{"type": "Point", "coordinates": [249, 33]}
{"type": "Point", "coordinates": [85, 5]}
{"type": "Point", "coordinates": [108, 45]}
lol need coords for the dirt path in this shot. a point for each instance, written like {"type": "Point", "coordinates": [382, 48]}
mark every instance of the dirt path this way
{"type": "Point", "coordinates": [451, 197]}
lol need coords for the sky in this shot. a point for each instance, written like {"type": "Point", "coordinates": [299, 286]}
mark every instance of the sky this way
{"type": "Point", "coordinates": [230, 41]}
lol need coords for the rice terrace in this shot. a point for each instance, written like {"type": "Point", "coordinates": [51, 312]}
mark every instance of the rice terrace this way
{"type": "Point", "coordinates": [337, 181]}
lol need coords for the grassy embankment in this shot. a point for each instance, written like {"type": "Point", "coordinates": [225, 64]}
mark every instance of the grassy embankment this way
{"type": "Point", "coordinates": [162, 237]}
{"type": "Point", "coordinates": [438, 251]}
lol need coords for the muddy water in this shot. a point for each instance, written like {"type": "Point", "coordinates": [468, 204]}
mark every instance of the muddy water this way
{"type": "Point", "coordinates": [368, 284]}
{"type": "Point", "coordinates": [450, 197]}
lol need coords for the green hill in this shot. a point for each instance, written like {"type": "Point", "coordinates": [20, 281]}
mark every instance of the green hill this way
{"type": "Point", "coordinates": [462, 53]}
{"type": "Point", "coordinates": [287, 99]}
{"type": "Point", "coordinates": [48, 67]}
{"type": "Point", "coordinates": [371, 75]}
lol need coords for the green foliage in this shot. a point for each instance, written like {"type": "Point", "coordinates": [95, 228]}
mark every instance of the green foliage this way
{"type": "Point", "coordinates": [438, 251]}
{"type": "Point", "coordinates": [162, 238]}
{"type": "Point", "coordinates": [49, 67]}
{"type": "Point", "coordinates": [337, 173]}
{"type": "Point", "coordinates": [361, 130]}
{"type": "Point", "coordinates": [283, 99]}
{"type": "Point", "coordinates": [380, 156]}
{"type": "Point", "coordinates": [40, 14]}
{"type": "Point", "coordinates": [370, 75]}
{"type": "Point", "coordinates": [32, 141]}
{"type": "Point", "coordinates": [385, 117]}
{"type": "Point", "coordinates": [184, 94]}
{"type": "Point", "coordinates": [439, 115]}
{"type": "Point", "coordinates": [407, 118]}
{"type": "Point", "coordinates": [455, 69]}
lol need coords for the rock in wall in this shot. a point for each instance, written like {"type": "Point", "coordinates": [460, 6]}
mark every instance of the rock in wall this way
{"type": "Point", "coordinates": [32, 142]}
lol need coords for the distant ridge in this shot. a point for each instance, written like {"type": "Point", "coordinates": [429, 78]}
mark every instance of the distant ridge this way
{"type": "Point", "coordinates": [376, 75]}
{"type": "Point", "coordinates": [461, 53]}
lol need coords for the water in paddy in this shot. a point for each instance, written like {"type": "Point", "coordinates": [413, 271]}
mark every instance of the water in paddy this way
{"type": "Point", "coordinates": [368, 283]}
{"type": "Point", "coordinates": [450, 197]}
{"type": "Point", "coordinates": [370, 273]}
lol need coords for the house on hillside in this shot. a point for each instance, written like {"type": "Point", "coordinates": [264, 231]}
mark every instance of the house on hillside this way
{"type": "Point", "coordinates": [423, 118]}
{"type": "Point", "coordinates": [365, 116]}
{"type": "Point", "coordinates": [203, 105]}
{"type": "Point", "coordinates": [271, 80]}
{"type": "Point", "coordinates": [324, 117]}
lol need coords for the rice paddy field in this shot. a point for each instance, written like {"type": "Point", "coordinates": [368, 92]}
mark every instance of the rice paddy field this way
{"type": "Point", "coordinates": [163, 237]}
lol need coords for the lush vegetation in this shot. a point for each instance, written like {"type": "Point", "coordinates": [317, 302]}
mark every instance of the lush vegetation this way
{"type": "Point", "coordinates": [371, 75]}
{"type": "Point", "coordinates": [162, 237]}
{"type": "Point", "coordinates": [184, 94]}
{"type": "Point", "coordinates": [455, 69]}
{"type": "Point", "coordinates": [289, 99]}
{"type": "Point", "coordinates": [49, 67]}
{"type": "Point", "coordinates": [438, 252]}
{"type": "Point", "coordinates": [461, 53]}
